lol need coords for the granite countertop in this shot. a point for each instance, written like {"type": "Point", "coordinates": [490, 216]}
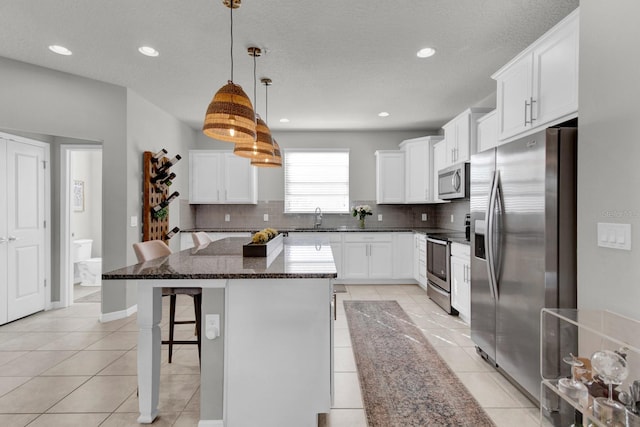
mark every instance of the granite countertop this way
{"type": "Point", "coordinates": [425, 230]}
{"type": "Point", "coordinates": [222, 259]}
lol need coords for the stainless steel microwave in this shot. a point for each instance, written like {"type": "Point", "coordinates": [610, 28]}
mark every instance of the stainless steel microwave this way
{"type": "Point", "coordinates": [453, 182]}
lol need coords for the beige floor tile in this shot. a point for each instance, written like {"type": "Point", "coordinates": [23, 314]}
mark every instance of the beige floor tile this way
{"type": "Point", "coordinates": [130, 419]}
{"type": "Point", "coordinates": [439, 337]}
{"type": "Point", "coordinates": [507, 417]}
{"type": "Point", "coordinates": [175, 393]}
{"type": "Point", "coordinates": [522, 400]}
{"type": "Point", "coordinates": [74, 341]}
{"type": "Point", "coordinates": [341, 337]}
{"type": "Point", "coordinates": [63, 324]}
{"type": "Point", "coordinates": [29, 340]}
{"type": "Point", "coordinates": [194, 403]}
{"type": "Point", "coordinates": [459, 361]}
{"type": "Point", "coordinates": [486, 391]}
{"type": "Point", "coordinates": [347, 391]}
{"type": "Point", "coordinates": [111, 326]}
{"type": "Point", "coordinates": [188, 419]}
{"type": "Point", "coordinates": [11, 383]}
{"type": "Point", "coordinates": [116, 341]}
{"type": "Point", "coordinates": [34, 363]}
{"type": "Point", "coordinates": [39, 394]}
{"type": "Point", "coordinates": [185, 361]}
{"type": "Point", "coordinates": [127, 364]}
{"type": "Point", "coordinates": [343, 360]}
{"type": "Point", "coordinates": [346, 418]}
{"type": "Point", "coordinates": [16, 420]}
{"type": "Point", "coordinates": [85, 363]}
{"type": "Point", "coordinates": [99, 394]}
{"type": "Point", "coordinates": [69, 420]}
{"type": "Point", "coordinates": [89, 310]}
{"type": "Point", "coordinates": [7, 356]}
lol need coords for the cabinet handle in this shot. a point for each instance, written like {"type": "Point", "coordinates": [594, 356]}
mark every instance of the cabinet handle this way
{"type": "Point", "coordinates": [218, 195]}
{"type": "Point", "coordinates": [12, 238]}
{"type": "Point", "coordinates": [531, 109]}
{"type": "Point", "coordinates": [2, 240]}
{"type": "Point", "coordinates": [526, 104]}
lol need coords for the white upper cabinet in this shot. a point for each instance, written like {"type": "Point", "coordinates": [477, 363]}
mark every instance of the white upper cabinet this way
{"type": "Point", "coordinates": [418, 154]}
{"type": "Point", "coordinates": [439, 162]}
{"type": "Point", "coordinates": [390, 176]}
{"type": "Point", "coordinates": [220, 177]}
{"type": "Point", "coordinates": [487, 131]}
{"type": "Point", "coordinates": [460, 135]}
{"type": "Point", "coordinates": [539, 87]}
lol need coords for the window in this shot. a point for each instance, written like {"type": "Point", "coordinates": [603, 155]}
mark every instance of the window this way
{"type": "Point", "coordinates": [316, 178]}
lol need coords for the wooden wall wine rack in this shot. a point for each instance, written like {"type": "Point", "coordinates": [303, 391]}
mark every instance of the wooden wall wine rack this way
{"type": "Point", "coordinates": [152, 227]}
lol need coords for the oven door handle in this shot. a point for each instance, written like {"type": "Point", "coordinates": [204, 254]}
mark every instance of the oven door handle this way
{"type": "Point", "coordinates": [437, 242]}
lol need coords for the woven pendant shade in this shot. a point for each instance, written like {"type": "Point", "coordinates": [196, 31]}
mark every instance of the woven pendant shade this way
{"type": "Point", "coordinates": [274, 161]}
{"type": "Point", "coordinates": [230, 116]}
{"type": "Point", "coordinates": [259, 149]}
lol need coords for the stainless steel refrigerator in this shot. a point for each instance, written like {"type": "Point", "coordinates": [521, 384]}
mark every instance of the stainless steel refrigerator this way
{"type": "Point", "coordinates": [523, 257]}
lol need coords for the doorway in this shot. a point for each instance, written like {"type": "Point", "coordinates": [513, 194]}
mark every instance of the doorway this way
{"type": "Point", "coordinates": [81, 223]}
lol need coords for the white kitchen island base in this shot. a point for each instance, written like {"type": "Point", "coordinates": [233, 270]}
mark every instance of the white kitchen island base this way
{"type": "Point", "coordinates": [277, 350]}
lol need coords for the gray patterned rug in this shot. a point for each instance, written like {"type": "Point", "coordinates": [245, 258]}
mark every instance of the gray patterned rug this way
{"type": "Point", "coordinates": [404, 381]}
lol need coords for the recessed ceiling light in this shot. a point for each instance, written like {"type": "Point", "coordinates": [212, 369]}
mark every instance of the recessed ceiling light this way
{"type": "Point", "coordinates": [426, 52]}
{"type": "Point", "coordinates": [60, 50]}
{"type": "Point", "coordinates": [383, 114]}
{"type": "Point", "coordinates": [284, 120]}
{"type": "Point", "coordinates": [148, 51]}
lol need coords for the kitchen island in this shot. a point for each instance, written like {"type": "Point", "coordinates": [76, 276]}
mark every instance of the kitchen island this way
{"type": "Point", "coordinates": [269, 362]}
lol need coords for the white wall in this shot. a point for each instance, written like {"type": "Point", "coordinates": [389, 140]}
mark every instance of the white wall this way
{"type": "Point", "coordinates": [609, 153]}
{"type": "Point", "coordinates": [361, 145]}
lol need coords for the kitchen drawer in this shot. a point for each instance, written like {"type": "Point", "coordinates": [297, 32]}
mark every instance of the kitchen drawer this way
{"type": "Point", "coordinates": [367, 237]}
{"type": "Point", "coordinates": [461, 250]}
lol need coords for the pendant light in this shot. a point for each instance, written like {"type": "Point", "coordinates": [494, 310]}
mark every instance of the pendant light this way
{"type": "Point", "coordinates": [262, 147]}
{"type": "Point", "coordinates": [230, 116]}
{"type": "Point", "coordinates": [274, 161]}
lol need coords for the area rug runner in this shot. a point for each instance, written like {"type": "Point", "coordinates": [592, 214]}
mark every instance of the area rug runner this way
{"type": "Point", "coordinates": [404, 381]}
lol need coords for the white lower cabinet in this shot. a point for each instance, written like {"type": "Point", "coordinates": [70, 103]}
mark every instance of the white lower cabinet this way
{"type": "Point", "coordinates": [420, 259]}
{"type": "Point", "coordinates": [402, 255]}
{"type": "Point", "coordinates": [461, 280]}
{"type": "Point", "coordinates": [367, 256]}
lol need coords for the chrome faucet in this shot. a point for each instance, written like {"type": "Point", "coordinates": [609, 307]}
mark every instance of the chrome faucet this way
{"type": "Point", "coordinates": [318, 222]}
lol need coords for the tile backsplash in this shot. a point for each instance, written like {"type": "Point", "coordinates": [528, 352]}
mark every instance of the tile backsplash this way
{"type": "Point", "coordinates": [252, 216]}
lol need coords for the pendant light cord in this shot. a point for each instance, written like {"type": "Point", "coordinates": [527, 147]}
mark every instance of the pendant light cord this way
{"type": "Point", "coordinates": [266, 103]}
{"type": "Point", "coordinates": [231, 50]}
{"type": "Point", "coordinates": [255, 97]}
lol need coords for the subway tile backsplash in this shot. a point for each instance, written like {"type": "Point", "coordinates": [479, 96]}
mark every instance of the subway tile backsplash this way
{"type": "Point", "coordinates": [252, 216]}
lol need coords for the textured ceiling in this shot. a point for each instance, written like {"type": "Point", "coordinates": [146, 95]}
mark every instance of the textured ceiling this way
{"type": "Point", "coordinates": [334, 64]}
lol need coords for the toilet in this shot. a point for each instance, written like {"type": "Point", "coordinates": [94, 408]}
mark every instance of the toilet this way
{"type": "Point", "coordinates": [86, 270]}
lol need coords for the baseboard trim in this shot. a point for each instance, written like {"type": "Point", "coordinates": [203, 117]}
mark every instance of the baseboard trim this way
{"type": "Point", "coordinates": [375, 281]}
{"type": "Point", "coordinates": [115, 315]}
{"type": "Point", "coordinates": [211, 423]}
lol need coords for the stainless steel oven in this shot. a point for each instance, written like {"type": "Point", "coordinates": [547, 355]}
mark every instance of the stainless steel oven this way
{"type": "Point", "coordinates": [439, 272]}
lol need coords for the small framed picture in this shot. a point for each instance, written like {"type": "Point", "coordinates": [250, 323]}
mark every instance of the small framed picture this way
{"type": "Point", "coordinates": [78, 196]}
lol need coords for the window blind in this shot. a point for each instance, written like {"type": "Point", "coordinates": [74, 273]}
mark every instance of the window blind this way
{"type": "Point", "coordinates": [316, 178]}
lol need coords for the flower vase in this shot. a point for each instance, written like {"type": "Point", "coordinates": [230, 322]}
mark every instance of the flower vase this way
{"type": "Point", "coordinates": [361, 222]}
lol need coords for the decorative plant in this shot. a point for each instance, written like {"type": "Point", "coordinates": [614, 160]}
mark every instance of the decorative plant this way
{"type": "Point", "coordinates": [361, 211]}
{"type": "Point", "coordinates": [263, 236]}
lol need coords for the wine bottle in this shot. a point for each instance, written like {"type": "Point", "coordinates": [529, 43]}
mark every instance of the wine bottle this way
{"type": "Point", "coordinates": [157, 208]}
{"type": "Point", "coordinates": [164, 185]}
{"type": "Point", "coordinates": [160, 154]}
{"type": "Point", "coordinates": [166, 165]}
{"type": "Point", "coordinates": [172, 233]}
{"type": "Point", "coordinates": [163, 178]}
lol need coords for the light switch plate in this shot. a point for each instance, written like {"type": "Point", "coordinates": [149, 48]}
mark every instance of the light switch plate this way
{"type": "Point", "coordinates": [424, 216]}
{"type": "Point", "coordinates": [265, 217]}
{"type": "Point", "coordinates": [451, 217]}
{"type": "Point", "coordinates": [615, 236]}
{"type": "Point", "coordinates": [227, 217]}
{"type": "Point", "coordinates": [134, 221]}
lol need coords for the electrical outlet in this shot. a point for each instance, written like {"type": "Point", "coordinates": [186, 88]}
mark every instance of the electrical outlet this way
{"type": "Point", "coordinates": [451, 217]}
{"type": "Point", "coordinates": [134, 221]}
{"type": "Point", "coordinates": [424, 216]}
{"type": "Point", "coordinates": [227, 217]}
{"type": "Point", "coordinates": [379, 217]}
{"type": "Point", "coordinates": [265, 217]}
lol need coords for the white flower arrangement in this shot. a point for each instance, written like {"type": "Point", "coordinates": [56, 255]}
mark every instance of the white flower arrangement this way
{"type": "Point", "coordinates": [361, 211]}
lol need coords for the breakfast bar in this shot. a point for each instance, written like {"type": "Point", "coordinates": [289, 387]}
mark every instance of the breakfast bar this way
{"type": "Point", "coordinates": [266, 330]}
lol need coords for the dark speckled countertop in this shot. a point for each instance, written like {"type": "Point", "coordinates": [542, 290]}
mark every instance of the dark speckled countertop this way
{"type": "Point", "coordinates": [223, 259]}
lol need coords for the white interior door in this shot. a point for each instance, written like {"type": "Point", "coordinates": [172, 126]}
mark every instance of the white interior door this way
{"type": "Point", "coordinates": [25, 229]}
{"type": "Point", "coordinates": [3, 233]}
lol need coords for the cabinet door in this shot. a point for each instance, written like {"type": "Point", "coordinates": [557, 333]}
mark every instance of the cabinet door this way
{"type": "Point", "coordinates": [3, 233]}
{"type": "Point", "coordinates": [488, 132]}
{"type": "Point", "coordinates": [458, 276]}
{"type": "Point", "coordinates": [439, 161]}
{"type": "Point", "coordinates": [402, 255]}
{"type": "Point", "coordinates": [555, 75]}
{"type": "Point", "coordinates": [451, 142]}
{"type": "Point", "coordinates": [463, 138]}
{"type": "Point", "coordinates": [390, 177]}
{"type": "Point", "coordinates": [240, 179]}
{"type": "Point", "coordinates": [355, 263]}
{"type": "Point", "coordinates": [513, 97]}
{"type": "Point", "coordinates": [418, 172]}
{"type": "Point", "coordinates": [416, 256]}
{"type": "Point", "coordinates": [205, 177]}
{"type": "Point", "coordinates": [380, 260]}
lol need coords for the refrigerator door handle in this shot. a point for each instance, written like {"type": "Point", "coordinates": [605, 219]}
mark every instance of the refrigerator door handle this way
{"type": "Point", "coordinates": [491, 266]}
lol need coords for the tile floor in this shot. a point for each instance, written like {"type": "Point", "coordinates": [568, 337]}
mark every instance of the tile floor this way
{"type": "Point", "coordinates": [63, 368]}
